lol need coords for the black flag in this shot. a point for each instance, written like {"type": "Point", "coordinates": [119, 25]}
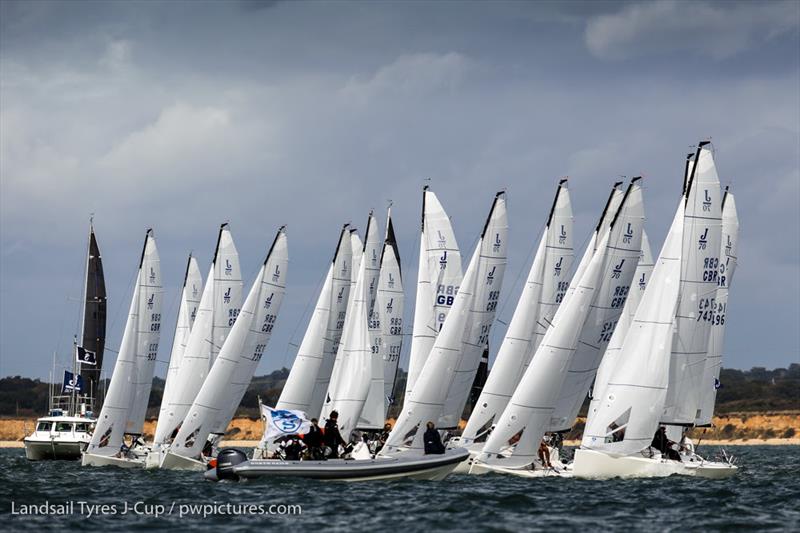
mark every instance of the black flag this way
{"type": "Point", "coordinates": [86, 357]}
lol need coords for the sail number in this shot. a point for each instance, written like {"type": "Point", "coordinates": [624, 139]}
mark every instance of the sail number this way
{"type": "Point", "coordinates": [710, 268]}
{"type": "Point", "coordinates": [395, 326]}
{"type": "Point", "coordinates": [269, 322]}
{"type": "Point", "coordinates": [492, 304]}
{"type": "Point", "coordinates": [232, 314]}
{"type": "Point", "coordinates": [620, 295]}
{"type": "Point", "coordinates": [152, 349]}
{"type": "Point", "coordinates": [155, 322]}
{"type": "Point", "coordinates": [561, 289]}
{"type": "Point", "coordinates": [607, 331]}
{"type": "Point", "coordinates": [446, 294]}
{"type": "Point", "coordinates": [258, 352]}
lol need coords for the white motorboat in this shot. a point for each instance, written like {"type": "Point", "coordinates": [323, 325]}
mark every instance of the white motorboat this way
{"type": "Point", "coordinates": [59, 436]}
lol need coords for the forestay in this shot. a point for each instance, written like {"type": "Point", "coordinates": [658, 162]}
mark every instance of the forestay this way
{"type": "Point", "coordinates": [439, 276]}
{"type": "Point", "coordinates": [449, 370]}
{"type": "Point", "coordinates": [553, 259]}
{"type": "Point", "coordinates": [223, 389]}
{"type": "Point", "coordinates": [699, 271]}
{"type": "Point", "coordinates": [314, 360]}
{"type": "Point", "coordinates": [218, 309]}
{"type": "Point", "coordinates": [727, 266]}
{"type": "Point", "coordinates": [139, 344]}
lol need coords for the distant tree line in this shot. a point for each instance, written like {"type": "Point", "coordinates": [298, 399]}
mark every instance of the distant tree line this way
{"type": "Point", "coordinates": [754, 390]}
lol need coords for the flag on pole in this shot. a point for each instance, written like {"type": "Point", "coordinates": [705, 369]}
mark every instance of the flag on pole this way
{"type": "Point", "coordinates": [85, 356]}
{"type": "Point", "coordinates": [283, 422]}
{"type": "Point", "coordinates": [72, 382]}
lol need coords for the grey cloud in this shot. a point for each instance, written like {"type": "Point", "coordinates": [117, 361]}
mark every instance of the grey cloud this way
{"type": "Point", "coordinates": [718, 30]}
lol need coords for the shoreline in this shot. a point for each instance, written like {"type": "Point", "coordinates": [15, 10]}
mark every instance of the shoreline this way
{"type": "Point", "coordinates": [18, 444]}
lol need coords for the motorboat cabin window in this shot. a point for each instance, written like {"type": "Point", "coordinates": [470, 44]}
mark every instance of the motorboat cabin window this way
{"type": "Point", "coordinates": [64, 426]}
{"type": "Point", "coordinates": [82, 427]}
{"type": "Point", "coordinates": [43, 426]}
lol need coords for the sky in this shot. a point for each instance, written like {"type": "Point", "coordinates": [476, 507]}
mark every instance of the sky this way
{"type": "Point", "coordinates": [182, 115]}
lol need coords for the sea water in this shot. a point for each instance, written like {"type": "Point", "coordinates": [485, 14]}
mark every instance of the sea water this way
{"type": "Point", "coordinates": [59, 495]}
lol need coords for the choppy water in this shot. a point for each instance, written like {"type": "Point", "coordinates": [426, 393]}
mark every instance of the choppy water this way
{"type": "Point", "coordinates": [765, 495]}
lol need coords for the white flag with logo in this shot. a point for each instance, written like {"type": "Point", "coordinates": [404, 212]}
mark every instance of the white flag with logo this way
{"type": "Point", "coordinates": [282, 422]}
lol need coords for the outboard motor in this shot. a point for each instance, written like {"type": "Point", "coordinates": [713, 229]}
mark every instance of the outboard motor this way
{"type": "Point", "coordinates": [226, 460]}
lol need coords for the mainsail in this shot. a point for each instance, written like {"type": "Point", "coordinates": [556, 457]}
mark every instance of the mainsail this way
{"type": "Point", "coordinates": [123, 409]}
{"type": "Point", "coordinates": [438, 279]}
{"type": "Point", "coordinates": [641, 278]}
{"type": "Point", "coordinates": [443, 385]}
{"type": "Point", "coordinates": [233, 369]}
{"type": "Point", "coordinates": [553, 259]}
{"type": "Point", "coordinates": [699, 272]}
{"type": "Point", "coordinates": [312, 367]}
{"type": "Point", "coordinates": [386, 333]}
{"type": "Point", "coordinates": [367, 253]}
{"type": "Point", "coordinates": [527, 416]}
{"type": "Point", "coordinates": [190, 301]}
{"type": "Point", "coordinates": [727, 266]}
{"type": "Point", "coordinates": [604, 314]}
{"type": "Point", "coordinates": [93, 321]}
{"type": "Point", "coordinates": [626, 414]}
{"type": "Point", "coordinates": [219, 306]}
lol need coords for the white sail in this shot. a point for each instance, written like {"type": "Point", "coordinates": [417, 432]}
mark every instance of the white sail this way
{"type": "Point", "coordinates": [727, 266]}
{"type": "Point", "coordinates": [699, 271]}
{"type": "Point", "coordinates": [218, 309]}
{"type": "Point", "coordinates": [386, 333]}
{"type": "Point", "coordinates": [125, 398]}
{"type": "Point", "coordinates": [438, 278]}
{"type": "Point", "coordinates": [641, 278]}
{"type": "Point", "coordinates": [354, 361]}
{"type": "Point", "coordinates": [455, 355]}
{"type": "Point", "coordinates": [223, 389]}
{"type": "Point", "coordinates": [529, 411]}
{"type": "Point", "coordinates": [368, 252]}
{"type": "Point", "coordinates": [604, 313]}
{"type": "Point", "coordinates": [187, 311]}
{"type": "Point", "coordinates": [315, 357]}
{"type": "Point", "coordinates": [628, 410]}
{"type": "Point", "coordinates": [553, 259]}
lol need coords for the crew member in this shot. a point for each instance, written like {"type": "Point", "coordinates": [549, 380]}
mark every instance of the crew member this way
{"type": "Point", "coordinates": [332, 436]}
{"type": "Point", "coordinates": [314, 440]}
{"type": "Point", "coordinates": [433, 442]}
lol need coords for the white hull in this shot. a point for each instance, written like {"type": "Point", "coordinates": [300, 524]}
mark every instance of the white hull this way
{"type": "Point", "coordinates": [172, 461]}
{"type": "Point", "coordinates": [482, 468]}
{"type": "Point", "coordinates": [597, 465]}
{"type": "Point", "coordinates": [40, 450]}
{"type": "Point", "coordinates": [91, 459]}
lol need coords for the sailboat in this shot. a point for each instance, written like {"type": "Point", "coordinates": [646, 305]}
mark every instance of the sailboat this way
{"type": "Point", "coordinates": [512, 446]}
{"type": "Point", "coordinates": [439, 276]}
{"type": "Point", "coordinates": [128, 393]}
{"type": "Point", "coordinates": [441, 391]}
{"type": "Point", "coordinates": [187, 312]}
{"type": "Point", "coordinates": [308, 379]}
{"type": "Point", "coordinates": [544, 289]}
{"type": "Point", "coordinates": [665, 347]}
{"type": "Point", "coordinates": [65, 432]}
{"type": "Point", "coordinates": [232, 371]}
{"type": "Point", "coordinates": [219, 306]}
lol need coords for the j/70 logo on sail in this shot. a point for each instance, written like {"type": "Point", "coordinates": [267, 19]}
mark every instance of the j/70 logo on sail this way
{"type": "Point", "coordinates": [227, 296]}
{"type": "Point", "coordinates": [707, 202]}
{"type": "Point", "coordinates": [628, 234]}
{"type": "Point", "coordinates": [617, 271]}
{"type": "Point", "coordinates": [228, 268]}
{"type": "Point", "coordinates": [443, 261]}
{"type": "Point", "coordinates": [442, 239]}
{"type": "Point", "coordinates": [562, 237]}
{"type": "Point", "coordinates": [642, 282]}
{"type": "Point", "coordinates": [152, 275]}
{"type": "Point", "coordinates": [490, 276]}
{"type": "Point", "coordinates": [558, 266]}
{"type": "Point", "coordinates": [390, 306]}
{"type": "Point", "coordinates": [268, 301]}
{"type": "Point", "coordinates": [277, 274]}
{"type": "Point", "coordinates": [390, 283]}
{"type": "Point", "coordinates": [497, 243]}
{"type": "Point", "coordinates": [150, 301]}
{"type": "Point", "coordinates": [703, 241]}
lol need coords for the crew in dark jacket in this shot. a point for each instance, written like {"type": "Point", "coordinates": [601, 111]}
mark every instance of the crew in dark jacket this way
{"type": "Point", "coordinates": [433, 442]}
{"type": "Point", "coordinates": [664, 445]}
{"type": "Point", "coordinates": [332, 436]}
{"type": "Point", "coordinates": [314, 440]}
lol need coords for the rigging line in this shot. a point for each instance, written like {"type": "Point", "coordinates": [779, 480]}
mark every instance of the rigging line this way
{"type": "Point", "coordinates": [516, 280]}
{"type": "Point", "coordinates": [314, 296]}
